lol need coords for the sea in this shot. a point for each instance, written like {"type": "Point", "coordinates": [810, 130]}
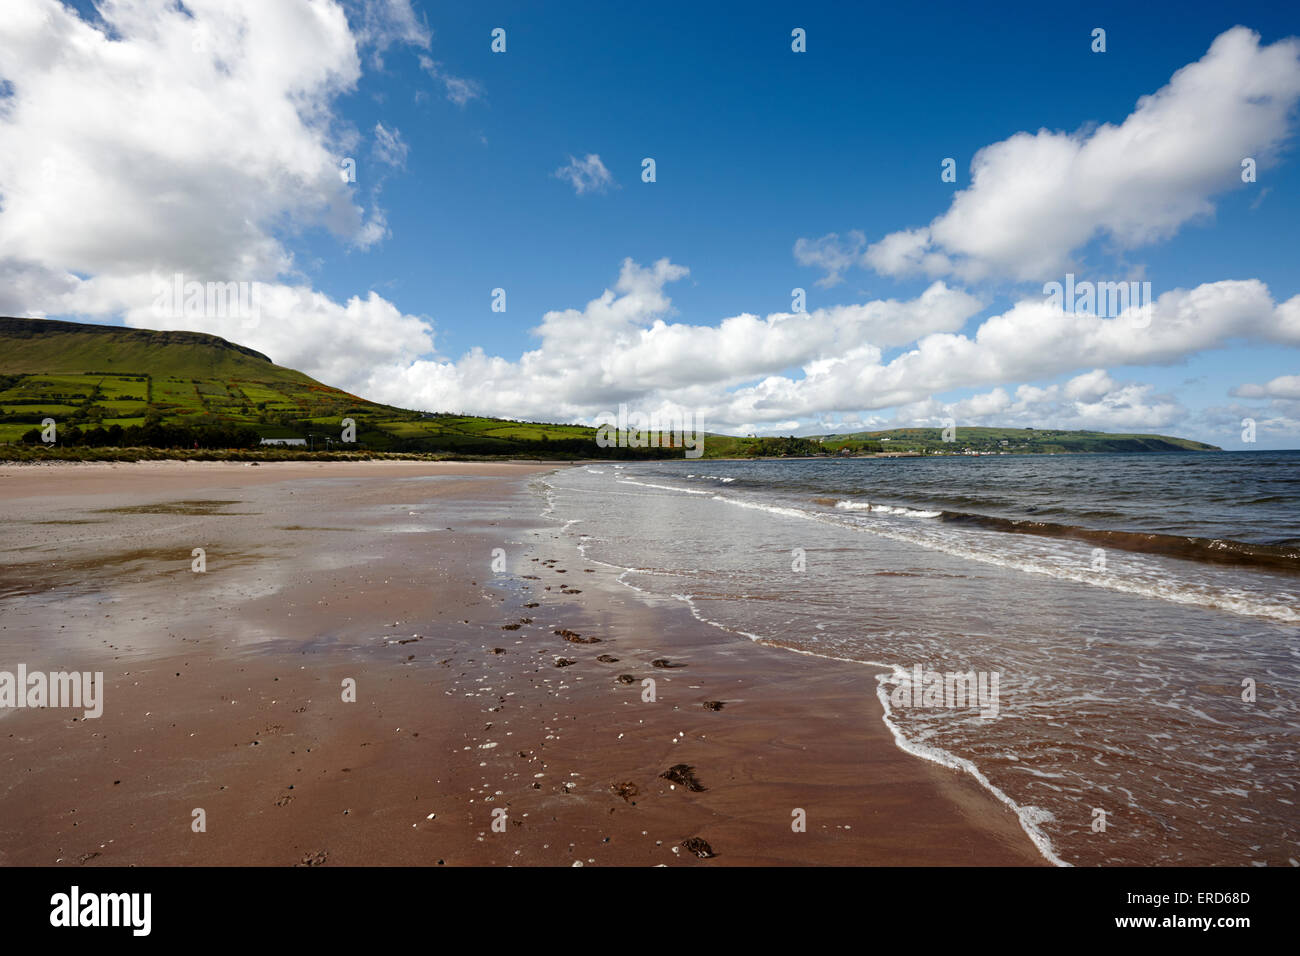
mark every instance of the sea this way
{"type": "Point", "coordinates": [1136, 616]}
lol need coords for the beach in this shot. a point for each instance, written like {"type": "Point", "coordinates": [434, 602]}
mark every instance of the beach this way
{"type": "Point", "coordinates": [407, 663]}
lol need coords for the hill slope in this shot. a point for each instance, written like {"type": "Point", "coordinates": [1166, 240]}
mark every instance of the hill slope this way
{"type": "Point", "coordinates": [35, 346]}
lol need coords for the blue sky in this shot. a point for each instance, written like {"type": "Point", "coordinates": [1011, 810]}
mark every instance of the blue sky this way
{"type": "Point", "coordinates": [756, 148]}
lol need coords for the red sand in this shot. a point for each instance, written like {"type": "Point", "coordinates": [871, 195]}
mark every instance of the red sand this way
{"type": "Point", "coordinates": [223, 690]}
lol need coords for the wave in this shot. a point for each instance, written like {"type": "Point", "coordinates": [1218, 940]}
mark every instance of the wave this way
{"type": "Point", "coordinates": [646, 484]}
{"type": "Point", "coordinates": [886, 509]}
{"type": "Point", "coordinates": [1215, 550]}
{"type": "Point", "coordinates": [1283, 555]}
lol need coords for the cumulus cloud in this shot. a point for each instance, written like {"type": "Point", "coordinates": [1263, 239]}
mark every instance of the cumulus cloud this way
{"type": "Point", "coordinates": [1284, 386]}
{"type": "Point", "coordinates": [586, 175]}
{"type": "Point", "coordinates": [1030, 341]}
{"type": "Point", "coordinates": [1036, 199]}
{"type": "Point", "coordinates": [623, 346]}
{"type": "Point", "coordinates": [1092, 400]}
{"type": "Point", "coordinates": [172, 141]}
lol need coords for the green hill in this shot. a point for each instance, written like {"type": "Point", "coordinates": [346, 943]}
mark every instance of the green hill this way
{"type": "Point", "coordinates": [108, 385]}
{"type": "Point", "coordinates": [51, 347]}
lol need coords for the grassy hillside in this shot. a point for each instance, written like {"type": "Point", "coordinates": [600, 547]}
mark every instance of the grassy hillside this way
{"type": "Point", "coordinates": [47, 346]}
{"type": "Point", "coordinates": [137, 384]}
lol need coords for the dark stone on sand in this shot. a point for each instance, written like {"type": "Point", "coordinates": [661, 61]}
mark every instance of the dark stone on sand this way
{"type": "Point", "coordinates": [509, 627]}
{"type": "Point", "coordinates": [699, 847]}
{"type": "Point", "coordinates": [606, 659]}
{"type": "Point", "coordinates": [683, 774]}
{"type": "Point", "coordinates": [626, 790]}
{"type": "Point", "coordinates": [713, 705]}
{"type": "Point", "coordinates": [497, 650]}
{"type": "Point", "coordinates": [626, 679]}
{"type": "Point", "coordinates": [574, 637]}
{"type": "Point", "coordinates": [563, 662]}
{"type": "Point", "coordinates": [664, 662]}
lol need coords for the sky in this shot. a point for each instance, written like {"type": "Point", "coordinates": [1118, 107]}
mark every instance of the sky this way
{"type": "Point", "coordinates": [433, 223]}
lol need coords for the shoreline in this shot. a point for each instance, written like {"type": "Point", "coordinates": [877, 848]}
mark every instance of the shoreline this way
{"type": "Point", "coordinates": [221, 690]}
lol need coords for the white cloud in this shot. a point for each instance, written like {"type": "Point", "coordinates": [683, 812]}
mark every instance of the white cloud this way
{"type": "Point", "coordinates": [1284, 386]}
{"type": "Point", "coordinates": [586, 175]}
{"type": "Point", "coordinates": [379, 24]}
{"type": "Point", "coordinates": [1036, 199]}
{"type": "Point", "coordinates": [457, 89]}
{"type": "Point", "coordinates": [623, 346]}
{"type": "Point", "coordinates": [1091, 400]}
{"type": "Point", "coordinates": [1031, 341]}
{"type": "Point", "coordinates": [166, 158]}
{"type": "Point", "coordinates": [831, 253]}
{"type": "Point", "coordinates": [390, 148]}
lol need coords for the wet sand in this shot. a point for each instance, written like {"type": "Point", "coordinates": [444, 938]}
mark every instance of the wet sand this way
{"type": "Point", "coordinates": [223, 690]}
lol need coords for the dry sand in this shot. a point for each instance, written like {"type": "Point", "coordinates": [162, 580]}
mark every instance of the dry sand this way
{"type": "Point", "coordinates": [223, 689]}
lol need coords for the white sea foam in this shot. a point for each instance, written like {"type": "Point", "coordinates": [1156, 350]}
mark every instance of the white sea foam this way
{"type": "Point", "coordinates": [980, 546]}
{"type": "Point", "coordinates": [886, 509]}
{"type": "Point", "coordinates": [646, 484]}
